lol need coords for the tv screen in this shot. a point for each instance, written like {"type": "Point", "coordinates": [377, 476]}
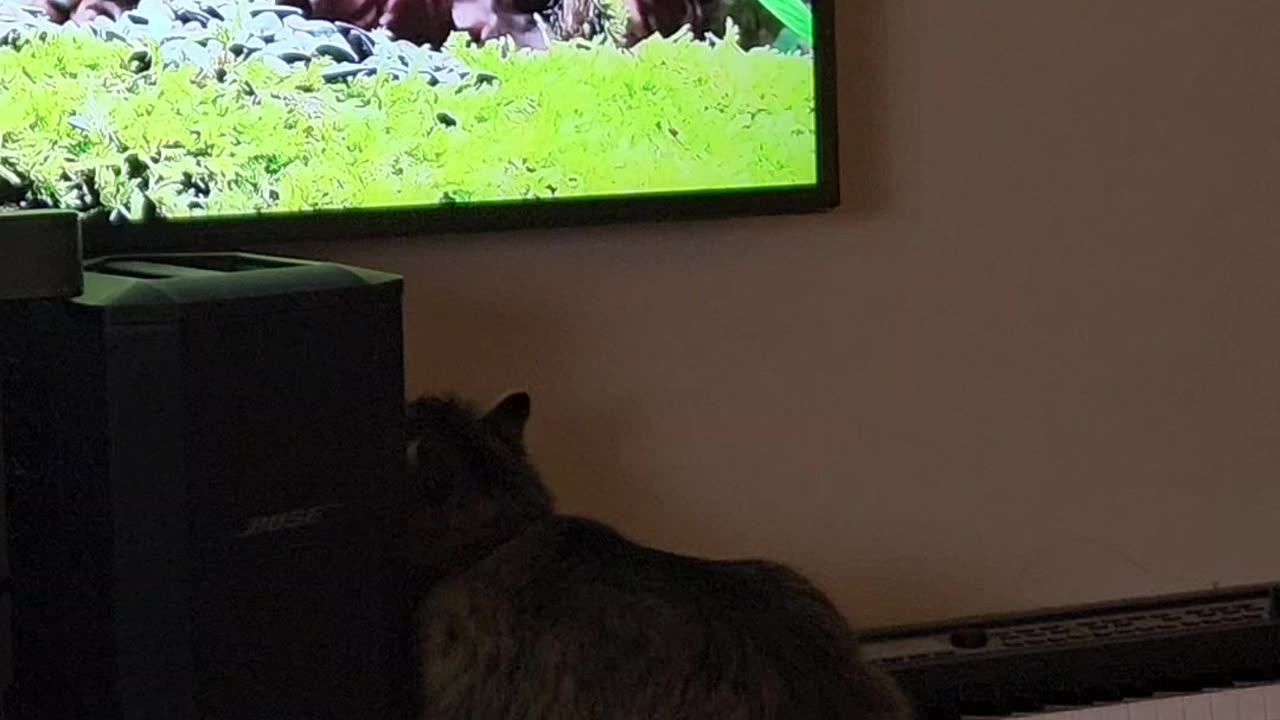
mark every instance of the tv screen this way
{"type": "Point", "coordinates": [166, 123]}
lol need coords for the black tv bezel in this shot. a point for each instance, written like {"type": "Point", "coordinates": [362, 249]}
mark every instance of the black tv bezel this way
{"type": "Point", "coordinates": [235, 232]}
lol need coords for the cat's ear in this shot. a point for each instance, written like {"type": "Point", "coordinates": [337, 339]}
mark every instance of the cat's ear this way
{"type": "Point", "coordinates": [507, 419]}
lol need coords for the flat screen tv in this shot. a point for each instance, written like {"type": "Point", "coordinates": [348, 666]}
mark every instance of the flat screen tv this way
{"type": "Point", "coordinates": [197, 124]}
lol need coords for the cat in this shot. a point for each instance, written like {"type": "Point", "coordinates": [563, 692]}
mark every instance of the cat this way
{"type": "Point", "coordinates": [528, 614]}
{"type": "Point", "coordinates": [666, 17]}
{"type": "Point", "coordinates": [430, 22]}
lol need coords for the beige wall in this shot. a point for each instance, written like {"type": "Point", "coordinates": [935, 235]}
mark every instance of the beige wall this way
{"type": "Point", "coordinates": [1035, 359]}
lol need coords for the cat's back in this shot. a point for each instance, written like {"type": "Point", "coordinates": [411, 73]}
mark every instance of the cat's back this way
{"type": "Point", "coordinates": [608, 568]}
{"type": "Point", "coordinates": [604, 627]}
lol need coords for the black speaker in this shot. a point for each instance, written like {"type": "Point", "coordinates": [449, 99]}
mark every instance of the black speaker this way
{"type": "Point", "coordinates": [204, 472]}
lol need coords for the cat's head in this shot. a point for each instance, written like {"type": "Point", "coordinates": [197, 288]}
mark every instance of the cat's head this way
{"type": "Point", "coordinates": [492, 19]}
{"type": "Point", "coordinates": [476, 488]}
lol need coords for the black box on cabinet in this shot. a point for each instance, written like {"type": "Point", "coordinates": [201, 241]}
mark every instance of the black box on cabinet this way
{"type": "Point", "coordinates": [203, 469]}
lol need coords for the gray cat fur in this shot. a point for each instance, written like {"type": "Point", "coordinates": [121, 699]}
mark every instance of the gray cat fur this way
{"type": "Point", "coordinates": [532, 615]}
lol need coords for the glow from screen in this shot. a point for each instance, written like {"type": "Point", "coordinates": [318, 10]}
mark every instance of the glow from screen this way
{"type": "Point", "coordinates": [176, 109]}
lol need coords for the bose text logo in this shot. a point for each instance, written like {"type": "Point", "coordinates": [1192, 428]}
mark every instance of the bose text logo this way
{"type": "Point", "coordinates": [305, 517]}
